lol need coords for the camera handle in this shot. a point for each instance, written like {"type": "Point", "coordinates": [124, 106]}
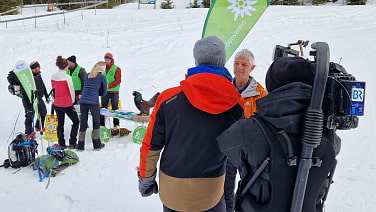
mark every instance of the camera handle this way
{"type": "Point", "coordinates": [313, 124]}
{"type": "Point", "coordinates": [301, 44]}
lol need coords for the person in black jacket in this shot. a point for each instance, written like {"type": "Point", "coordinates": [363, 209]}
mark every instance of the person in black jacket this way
{"type": "Point", "coordinates": [78, 74]}
{"type": "Point", "coordinates": [41, 92]}
{"type": "Point", "coordinates": [182, 131]}
{"type": "Point", "coordinates": [289, 82]}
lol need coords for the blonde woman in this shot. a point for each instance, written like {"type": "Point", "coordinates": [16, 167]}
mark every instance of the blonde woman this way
{"type": "Point", "coordinates": [94, 86]}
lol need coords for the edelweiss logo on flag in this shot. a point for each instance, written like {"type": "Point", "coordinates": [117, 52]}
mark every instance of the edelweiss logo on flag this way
{"type": "Point", "coordinates": [241, 7]}
{"type": "Point", "coordinates": [231, 20]}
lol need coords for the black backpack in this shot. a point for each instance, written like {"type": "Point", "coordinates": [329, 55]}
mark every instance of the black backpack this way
{"type": "Point", "coordinates": [14, 86]}
{"type": "Point", "coordinates": [274, 179]}
{"type": "Point", "coordinates": [21, 151]}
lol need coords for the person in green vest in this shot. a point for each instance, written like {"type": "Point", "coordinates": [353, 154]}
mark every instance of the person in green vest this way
{"type": "Point", "coordinates": [78, 74]}
{"type": "Point", "coordinates": [113, 79]}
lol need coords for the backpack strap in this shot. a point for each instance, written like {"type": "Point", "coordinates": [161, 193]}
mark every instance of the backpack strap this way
{"type": "Point", "coordinates": [44, 175]}
{"type": "Point", "coordinates": [57, 157]}
{"type": "Point", "coordinates": [251, 177]}
{"type": "Point", "coordinates": [285, 142]}
{"type": "Point", "coordinates": [253, 172]}
{"type": "Point", "coordinates": [281, 136]}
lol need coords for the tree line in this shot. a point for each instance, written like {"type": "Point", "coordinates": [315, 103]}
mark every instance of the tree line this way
{"type": "Point", "coordinates": [6, 5]}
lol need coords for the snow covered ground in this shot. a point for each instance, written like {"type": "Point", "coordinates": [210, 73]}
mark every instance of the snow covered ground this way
{"type": "Point", "coordinates": [154, 50]}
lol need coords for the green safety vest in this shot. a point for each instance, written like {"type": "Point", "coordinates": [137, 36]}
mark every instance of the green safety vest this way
{"type": "Point", "coordinates": [110, 77]}
{"type": "Point", "coordinates": [76, 78]}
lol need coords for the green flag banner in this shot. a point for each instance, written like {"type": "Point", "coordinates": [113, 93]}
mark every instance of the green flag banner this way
{"type": "Point", "coordinates": [231, 20]}
{"type": "Point", "coordinates": [25, 76]}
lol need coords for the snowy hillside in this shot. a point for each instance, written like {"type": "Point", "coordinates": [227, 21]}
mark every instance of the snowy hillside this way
{"type": "Point", "coordinates": [154, 49]}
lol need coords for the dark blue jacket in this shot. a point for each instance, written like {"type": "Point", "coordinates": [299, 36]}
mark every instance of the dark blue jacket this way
{"type": "Point", "coordinates": [93, 88]}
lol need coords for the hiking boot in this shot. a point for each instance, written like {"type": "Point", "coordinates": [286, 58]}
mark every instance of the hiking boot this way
{"type": "Point", "coordinates": [102, 145]}
{"type": "Point", "coordinates": [124, 132]}
{"type": "Point", "coordinates": [97, 144]}
{"type": "Point", "coordinates": [115, 132]}
{"type": "Point", "coordinates": [63, 145]}
{"type": "Point", "coordinates": [81, 146]}
{"type": "Point", "coordinates": [72, 146]}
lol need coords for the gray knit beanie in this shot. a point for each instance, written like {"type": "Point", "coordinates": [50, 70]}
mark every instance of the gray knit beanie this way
{"type": "Point", "coordinates": [210, 51]}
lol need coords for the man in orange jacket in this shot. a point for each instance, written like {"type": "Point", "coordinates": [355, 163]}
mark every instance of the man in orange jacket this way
{"type": "Point", "coordinates": [247, 86]}
{"type": "Point", "coordinates": [250, 90]}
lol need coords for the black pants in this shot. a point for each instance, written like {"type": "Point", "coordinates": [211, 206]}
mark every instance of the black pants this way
{"type": "Point", "coordinates": [230, 186]}
{"type": "Point", "coordinates": [220, 207]}
{"type": "Point", "coordinates": [114, 98]}
{"type": "Point", "coordinates": [72, 114]}
{"type": "Point", "coordinates": [95, 113]}
{"type": "Point", "coordinates": [29, 115]}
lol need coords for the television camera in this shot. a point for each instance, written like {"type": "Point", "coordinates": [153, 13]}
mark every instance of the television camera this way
{"type": "Point", "coordinates": [343, 100]}
{"type": "Point", "coordinates": [337, 100]}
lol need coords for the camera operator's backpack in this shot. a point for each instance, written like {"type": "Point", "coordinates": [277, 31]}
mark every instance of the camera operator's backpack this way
{"type": "Point", "coordinates": [55, 161]}
{"type": "Point", "coordinates": [21, 151]}
{"type": "Point", "coordinates": [277, 174]}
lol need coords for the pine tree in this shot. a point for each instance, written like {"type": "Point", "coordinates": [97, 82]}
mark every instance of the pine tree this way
{"type": "Point", "coordinates": [356, 2]}
{"type": "Point", "coordinates": [168, 4]}
{"type": "Point", "coordinates": [206, 3]}
{"type": "Point", "coordinates": [112, 3]}
{"type": "Point", "coordinates": [6, 5]}
{"type": "Point", "coordinates": [194, 4]}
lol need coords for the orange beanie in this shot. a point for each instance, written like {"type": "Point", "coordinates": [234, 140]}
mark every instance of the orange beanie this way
{"type": "Point", "coordinates": [108, 56]}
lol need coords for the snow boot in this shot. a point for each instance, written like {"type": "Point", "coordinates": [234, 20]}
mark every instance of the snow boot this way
{"type": "Point", "coordinates": [81, 140]}
{"type": "Point", "coordinates": [73, 143]}
{"type": "Point", "coordinates": [97, 144]}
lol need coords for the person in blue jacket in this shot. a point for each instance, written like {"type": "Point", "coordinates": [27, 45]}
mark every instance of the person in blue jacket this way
{"type": "Point", "coordinates": [95, 85]}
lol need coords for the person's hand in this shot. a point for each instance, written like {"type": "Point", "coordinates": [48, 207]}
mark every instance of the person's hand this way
{"type": "Point", "coordinates": [48, 100]}
{"type": "Point", "coordinates": [147, 186]}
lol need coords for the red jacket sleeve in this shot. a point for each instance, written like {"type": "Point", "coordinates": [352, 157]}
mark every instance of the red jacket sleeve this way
{"type": "Point", "coordinates": [117, 79]}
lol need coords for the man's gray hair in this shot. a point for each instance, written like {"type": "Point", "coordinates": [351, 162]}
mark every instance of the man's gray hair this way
{"type": "Point", "coordinates": [247, 54]}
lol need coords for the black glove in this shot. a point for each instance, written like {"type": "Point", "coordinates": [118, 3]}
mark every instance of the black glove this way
{"type": "Point", "coordinates": [147, 186]}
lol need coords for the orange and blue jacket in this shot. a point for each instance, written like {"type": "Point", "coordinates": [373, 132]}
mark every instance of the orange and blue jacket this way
{"type": "Point", "coordinates": [185, 123]}
{"type": "Point", "coordinates": [252, 92]}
